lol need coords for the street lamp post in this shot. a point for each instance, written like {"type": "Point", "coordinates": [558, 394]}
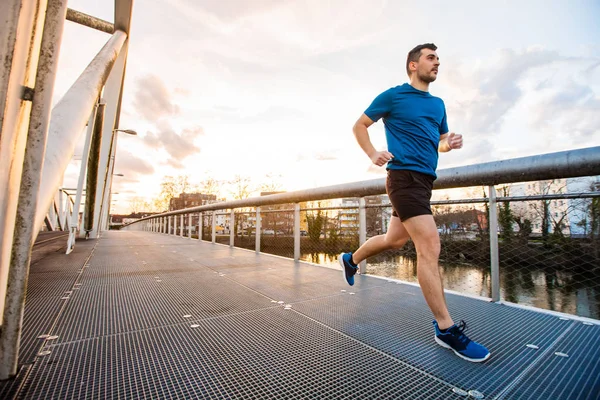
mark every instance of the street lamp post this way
{"type": "Point", "coordinates": [127, 131]}
{"type": "Point", "coordinates": [105, 212]}
{"type": "Point", "coordinates": [103, 199]}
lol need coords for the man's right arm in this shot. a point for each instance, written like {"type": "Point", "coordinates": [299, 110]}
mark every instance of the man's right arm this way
{"type": "Point", "coordinates": [361, 133]}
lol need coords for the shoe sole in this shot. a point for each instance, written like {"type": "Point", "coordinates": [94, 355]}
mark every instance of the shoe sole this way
{"type": "Point", "coordinates": [341, 261]}
{"type": "Point", "coordinates": [446, 346]}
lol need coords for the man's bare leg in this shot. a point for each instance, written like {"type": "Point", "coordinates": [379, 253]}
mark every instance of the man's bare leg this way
{"type": "Point", "coordinates": [423, 231]}
{"type": "Point", "coordinates": [395, 237]}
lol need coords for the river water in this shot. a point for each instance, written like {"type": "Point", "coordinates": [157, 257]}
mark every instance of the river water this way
{"type": "Point", "coordinates": [565, 291]}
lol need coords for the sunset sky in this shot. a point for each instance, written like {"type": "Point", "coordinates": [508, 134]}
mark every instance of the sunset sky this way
{"type": "Point", "coordinates": [219, 88]}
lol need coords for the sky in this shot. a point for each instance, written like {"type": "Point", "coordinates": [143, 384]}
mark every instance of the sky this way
{"type": "Point", "coordinates": [270, 89]}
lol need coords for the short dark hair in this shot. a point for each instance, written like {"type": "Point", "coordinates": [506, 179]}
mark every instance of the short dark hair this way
{"type": "Point", "coordinates": [415, 54]}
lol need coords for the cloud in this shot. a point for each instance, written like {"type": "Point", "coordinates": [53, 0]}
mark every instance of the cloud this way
{"type": "Point", "coordinates": [274, 33]}
{"type": "Point", "coordinates": [324, 155]}
{"type": "Point", "coordinates": [225, 12]}
{"type": "Point", "coordinates": [572, 110]}
{"type": "Point", "coordinates": [129, 164]}
{"type": "Point", "coordinates": [489, 91]}
{"type": "Point", "coordinates": [152, 99]}
{"type": "Point", "coordinates": [522, 102]}
{"type": "Point", "coordinates": [183, 92]}
{"type": "Point", "coordinates": [178, 146]}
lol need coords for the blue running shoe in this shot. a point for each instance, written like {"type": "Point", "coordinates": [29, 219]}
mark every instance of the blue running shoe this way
{"type": "Point", "coordinates": [455, 340]}
{"type": "Point", "coordinates": [348, 270]}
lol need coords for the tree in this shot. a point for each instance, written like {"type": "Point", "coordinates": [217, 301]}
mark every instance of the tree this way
{"type": "Point", "coordinates": [272, 184]}
{"type": "Point", "coordinates": [525, 228]}
{"type": "Point", "coordinates": [183, 184]}
{"type": "Point", "coordinates": [594, 217]}
{"type": "Point", "coordinates": [315, 223]}
{"type": "Point", "coordinates": [241, 187]}
{"type": "Point", "coordinates": [169, 188]}
{"type": "Point", "coordinates": [136, 204]}
{"type": "Point", "coordinates": [483, 224]}
{"type": "Point", "coordinates": [505, 217]}
{"type": "Point", "coordinates": [542, 208]}
{"type": "Point", "coordinates": [211, 186]}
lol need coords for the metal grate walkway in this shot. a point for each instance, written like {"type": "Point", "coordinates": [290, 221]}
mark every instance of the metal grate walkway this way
{"type": "Point", "coordinates": [143, 315]}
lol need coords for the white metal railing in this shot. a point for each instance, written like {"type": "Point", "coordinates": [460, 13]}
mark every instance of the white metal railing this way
{"type": "Point", "coordinates": [568, 164]}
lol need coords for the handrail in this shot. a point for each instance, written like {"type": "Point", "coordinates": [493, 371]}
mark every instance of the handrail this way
{"type": "Point", "coordinates": [90, 21]}
{"type": "Point", "coordinates": [68, 119]}
{"type": "Point", "coordinates": [564, 164]}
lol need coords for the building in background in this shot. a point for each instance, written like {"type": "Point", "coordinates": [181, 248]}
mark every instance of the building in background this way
{"type": "Point", "coordinates": [378, 214]}
{"type": "Point", "coordinates": [187, 200]}
{"type": "Point", "coordinates": [571, 216]}
{"type": "Point", "coordinates": [277, 220]}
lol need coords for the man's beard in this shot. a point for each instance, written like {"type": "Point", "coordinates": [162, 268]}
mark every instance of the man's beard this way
{"type": "Point", "coordinates": [427, 78]}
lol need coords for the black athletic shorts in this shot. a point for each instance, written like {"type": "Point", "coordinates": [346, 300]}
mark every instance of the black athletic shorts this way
{"type": "Point", "coordinates": [409, 193]}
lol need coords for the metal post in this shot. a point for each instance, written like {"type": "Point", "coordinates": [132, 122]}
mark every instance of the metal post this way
{"type": "Point", "coordinates": [82, 171]}
{"type": "Point", "coordinates": [296, 231]}
{"type": "Point", "coordinates": [214, 226]}
{"type": "Point", "coordinates": [113, 93]}
{"type": "Point", "coordinates": [18, 32]}
{"type": "Point", "coordinates": [52, 214]}
{"type": "Point", "coordinates": [257, 230]}
{"type": "Point", "coordinates": [494, 256]}
{"type": "Point", "coordinates": [362, 229]}
{"type": "Point", "coordinates": [61, 210]}
{"type": "Point", "coordinates": [189, 225]}
{"type": "Point", "coordinates": [25, 230]}
{"type": "Point", "coordinates": [232, 228]}
{"type": "Point", "coordinates": [104, 181]}
{"type": "Point", "coordinates": [200, 223]}
{"type": "Point", "coordinates": [92, 168]}
{"type": "Point", "coordinates": [106, 200]}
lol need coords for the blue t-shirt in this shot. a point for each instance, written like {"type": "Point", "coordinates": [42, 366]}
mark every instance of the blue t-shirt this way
{"type": "Point", "coordinates": [414, 121]}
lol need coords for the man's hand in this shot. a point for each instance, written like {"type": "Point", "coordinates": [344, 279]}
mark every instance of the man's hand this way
{"type": "Point", "coordinates": [455, 141]}
{"type": "Point", "coordinates": [379, 158]}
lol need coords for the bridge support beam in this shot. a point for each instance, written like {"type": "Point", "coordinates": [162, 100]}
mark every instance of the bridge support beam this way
{"type": "Point", "coordinates": [113, 93]}
{"type": "Point", "coordinates": [19, 28]}
{"type": "Point", "coordinates": [51, 15]}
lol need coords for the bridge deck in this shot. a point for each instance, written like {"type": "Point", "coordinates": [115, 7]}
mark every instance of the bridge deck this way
{"type": "Point", "coordinates": [144, 315]}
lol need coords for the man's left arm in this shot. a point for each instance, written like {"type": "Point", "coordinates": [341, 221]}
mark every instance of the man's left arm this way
{"type": "Point", "coordinates": [450, 141]}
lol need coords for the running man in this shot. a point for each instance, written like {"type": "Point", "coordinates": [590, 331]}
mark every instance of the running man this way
{"type": "Point", "coordinates": [416, 131]}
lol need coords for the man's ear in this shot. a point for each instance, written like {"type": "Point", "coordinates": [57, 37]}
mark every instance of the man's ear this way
{"type": "Point", "coordinates": [412, 66]}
